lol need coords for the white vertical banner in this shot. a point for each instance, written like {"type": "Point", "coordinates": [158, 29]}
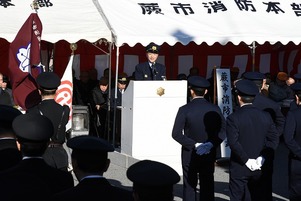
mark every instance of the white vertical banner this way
{"type": "Point", "coordinates": [65, 91]}
{"type": "Point", "coordinates": [291, 59]}
{"type": "Point", "coordinates": [101, 63]}
{"type": "Point", "coordinates": [265, 63]}
{"type": "Point", "coordinates": [130, 61]}
{"type": "Point", "coordinates": [185, 63]}
{"type": "Point", "coordinates": [224, 101]}
{"type": "Point", "coordinates": [212, 61]}
{"type": "Point", "coordinates": [241, 61]}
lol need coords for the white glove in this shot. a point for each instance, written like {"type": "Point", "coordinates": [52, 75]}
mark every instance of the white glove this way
{"type": "Point", "coordinates": [197, 144]}
{"type": "Point", "coordinates": [260, 160]}
{"type": "Point", "coordinates": [204, 148]}
{"type": "Point", "coordinates": [252, 165]}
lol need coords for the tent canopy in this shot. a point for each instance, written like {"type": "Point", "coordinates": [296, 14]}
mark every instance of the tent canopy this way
{"type": "Point", "coordinates": [136, 21]}
{"type": "Point", "coordinates": [140, 21]}
{"type": "Point", "coordinates": [62, 20]}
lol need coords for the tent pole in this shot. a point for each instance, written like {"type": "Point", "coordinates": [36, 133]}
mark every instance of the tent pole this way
{"type": "Point", "coordinates": [115, 95]}
{"type": "Point", "coordinates": [109, 65]}
{"type": "Point", "coordinates": [253, 55]}
{"type": "Point", "coordinates": [214, 85]}
{"type": "Point", "coordinates": [51, 59]}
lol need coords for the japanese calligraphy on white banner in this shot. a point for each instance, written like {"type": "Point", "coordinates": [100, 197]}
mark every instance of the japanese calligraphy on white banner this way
{"type": "Point", "coordinates": [224, 101]}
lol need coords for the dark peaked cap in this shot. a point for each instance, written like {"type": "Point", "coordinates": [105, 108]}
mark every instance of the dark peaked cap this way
{"type": "Point", "coordinates": [7, 115]}
{"type": "Point", "coordinates": [89, 143]}
{"type": "Point", "coordinates": [198, 82]}
{"type": "Point", "coordinates": [152, 173]}
{"type": "Point", "coordinates": [122, 78]}
{"type": "Point", "coordinates": [33, 127]}
{"type": "Point", "coordinates": [254, 76]}
{"type": "Point", "coordinates": [48, 80]}
{"type": "Point", "coordinates": [246, 87]}
{"type": "Point", "coordinates": [153, 48]}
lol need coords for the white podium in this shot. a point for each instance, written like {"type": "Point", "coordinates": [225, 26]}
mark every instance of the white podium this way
{"type": "Point", "coordinates": [149, 109]}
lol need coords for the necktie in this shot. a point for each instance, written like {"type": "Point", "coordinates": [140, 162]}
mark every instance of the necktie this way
{"type": "Point", "coordinates": [154, 71]}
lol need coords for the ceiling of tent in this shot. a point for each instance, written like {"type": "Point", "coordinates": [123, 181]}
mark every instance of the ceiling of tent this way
{"type": "Point", "coordinates": [62, 20]}
{"type": "Point", "coordinates": [140, 21]}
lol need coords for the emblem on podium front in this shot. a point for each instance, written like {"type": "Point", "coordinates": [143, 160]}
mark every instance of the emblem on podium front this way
{"type": "Point", "coordinates": [160, 91]}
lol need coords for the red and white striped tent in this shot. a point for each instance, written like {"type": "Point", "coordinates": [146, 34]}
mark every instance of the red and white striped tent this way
{"type": "Point", "coordinates": [221, 31]}
{"type": "Point", "coordinates": [192, 33]}
{"type": "Point", "coordinates": [62, 20]}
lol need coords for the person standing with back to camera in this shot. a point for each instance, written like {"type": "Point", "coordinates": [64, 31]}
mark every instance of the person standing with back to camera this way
{"type": "Point", "coordinates": [253, 138]}
{"type": "Point", "coordinates": [199, 127]}
{"type": "Point", "coordinates": [151, 70]}
{"type": "Point", "coordinates": [292, 139]}
{"type": "Point", "coordinates": [55, 155]}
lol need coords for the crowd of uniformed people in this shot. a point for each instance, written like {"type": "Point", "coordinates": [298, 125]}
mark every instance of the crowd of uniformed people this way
{"type": "Point", "coordinates": [35, 165]}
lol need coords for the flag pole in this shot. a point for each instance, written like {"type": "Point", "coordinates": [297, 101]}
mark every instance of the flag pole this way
{"type": "Point", "coordinates": [73, 47]}
{"type": "Point", "coordinates": [26, 45]}
{"type": "Point", "coordinates": [253, 47]}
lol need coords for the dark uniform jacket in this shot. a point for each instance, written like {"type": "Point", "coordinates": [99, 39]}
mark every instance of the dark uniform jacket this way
{"type": "Point", "coordinates": [202, 122]}
{"type": "Point", "coordinates": [94, 189]}
{"type": "Point", "coordinates": [117, 100]}
{"type": "Point", "coordinates": [292, 133]}
{"type": "Point", "coordinates": [143, 71]}
{"type": "Point", "coordinates": [34, 173]}
{"type": "Point", "coordinates": [198, 122]}
{"type": "Point", "coordinates": [54, 111]}
{"type": "Point", "coordinates": [190, 117]}
{"type": "Point", "coordinates": [250, 133]}
{"type": "Point", "coordinates": [292, 138]}
{"type": "Point", "coordinates": [6, 97]}
{"type": "Point", "coordinates": [9, 153]}
{"type": "Point", "coordinates": [23, 187]}
{"type": "Point", "coordinates": [99, 98]}
{"type": "Point", "coordinates": [279, 91]}
{"type": "Point", "coordinates": [264, 103]}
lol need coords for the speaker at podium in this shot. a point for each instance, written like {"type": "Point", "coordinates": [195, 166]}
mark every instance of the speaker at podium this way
{"type": "Point", "coordinates": [149, 109]}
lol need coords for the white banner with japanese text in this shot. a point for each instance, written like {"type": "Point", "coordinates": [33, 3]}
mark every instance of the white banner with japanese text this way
{"type": "Point", "coordinates": [224, 100]}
